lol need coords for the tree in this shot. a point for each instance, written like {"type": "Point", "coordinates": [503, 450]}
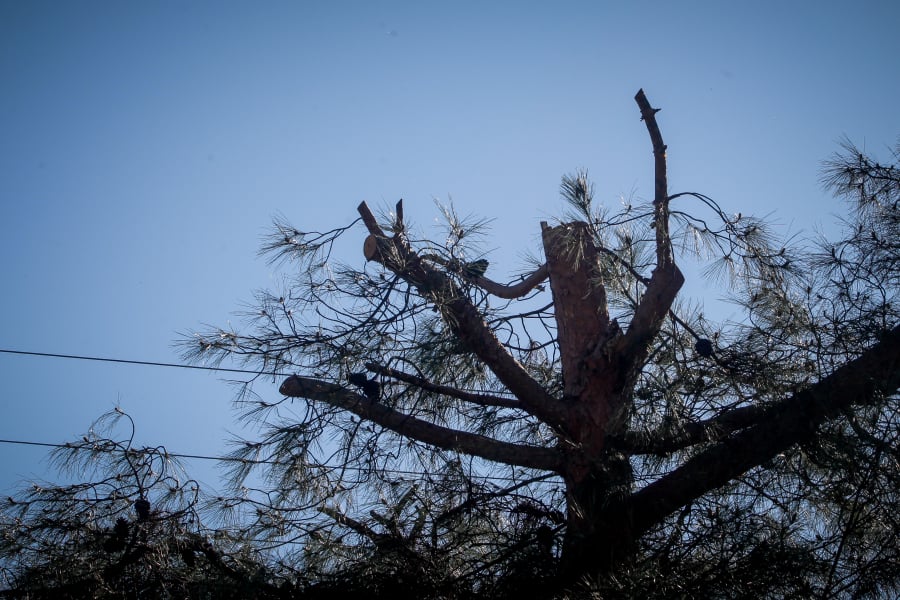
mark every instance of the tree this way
{"type": "Point", "coordinates": [662, 433]}
{"type": "Point", "coordinates": [130, 526]}
{"type": "Point", "coordinates": [580, 424]}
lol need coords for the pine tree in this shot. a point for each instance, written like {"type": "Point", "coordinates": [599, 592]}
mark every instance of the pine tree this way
{"type": "Point", "coordinates": [576, 430]}
{"type": "Point", "coordinates": [645, 437]}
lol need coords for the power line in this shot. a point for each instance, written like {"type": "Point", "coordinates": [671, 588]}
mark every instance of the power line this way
{"type": "Point", "coordinates": [32, 443]}
{"type": "Point", "coordinates": [72, 446]}
{"type": "Point", "coordinates": [181, 366]}
{"type": "Point", "coordinates": [137, 362]}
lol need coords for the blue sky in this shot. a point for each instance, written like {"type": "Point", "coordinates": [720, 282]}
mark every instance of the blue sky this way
{"type": "Point", "coordinates": [145, 148]}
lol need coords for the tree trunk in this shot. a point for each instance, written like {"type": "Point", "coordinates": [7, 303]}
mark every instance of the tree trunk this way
{"type": "Point", "coordinates": [594, 381]}
{"type": "Point", "coordinates": [598, 532]}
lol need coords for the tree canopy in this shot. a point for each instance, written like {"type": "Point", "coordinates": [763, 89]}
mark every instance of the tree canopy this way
{"type": "Point", "coordinates": [445, 432]}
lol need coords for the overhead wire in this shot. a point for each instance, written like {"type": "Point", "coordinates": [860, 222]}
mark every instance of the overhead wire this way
{"type": "Point", "coordinates": [181, 366]}
{"type": "Point", "coordinates": [137, 362]}
{"type": "Point", "coordinates": [72, 446]}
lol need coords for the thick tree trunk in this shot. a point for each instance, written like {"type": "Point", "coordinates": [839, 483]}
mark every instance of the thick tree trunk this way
{"type": "Point", "coordinates": [598, 533]}
{"type": "Point", "coordinates": [594, 380]}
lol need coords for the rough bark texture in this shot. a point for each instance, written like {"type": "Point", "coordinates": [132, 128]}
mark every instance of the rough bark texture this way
{"type": "Point", "coordinates": [583, 327]}
{"type": "Point", "coordinates": [579, 299]}
{"type": "Point", "coordinates": [593, 391]}
{"type": "Point", "coordinates": [600, 364]}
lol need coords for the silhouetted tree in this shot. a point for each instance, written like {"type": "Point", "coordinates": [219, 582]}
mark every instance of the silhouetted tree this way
{"type": "Point", "coordinates": [577, 428]}
{"type": "Point", "coordinates": [759, 453]}
{"type": "Point", "coordinates": [130, 527]}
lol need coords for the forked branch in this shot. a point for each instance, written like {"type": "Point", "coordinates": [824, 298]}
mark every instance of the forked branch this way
{"type": "Point", "coordinates": [462, 317]}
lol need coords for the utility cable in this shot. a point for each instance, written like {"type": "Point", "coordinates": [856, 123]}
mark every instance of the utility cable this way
{"type": "Point", "coordinates": [178, 366]}
{"type": "Point", "coordinates": [72, 446]}
{"type": "Point", "coordinates": [137, 362]}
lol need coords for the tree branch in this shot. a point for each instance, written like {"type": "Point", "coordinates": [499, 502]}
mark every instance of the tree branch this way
{"type": "Point", "coordinates": [873, 375]}
{"type": "Point", "coordinates": [666, 279]}
{"type": "Point", "coordinates": [446, 390]}
{"type": "Point", "coordinates": [532, 457]}
{"type": "Point", "coordinates": [709, 430]}
{"type": "Point", "coordinates": [357, 526]}
{"type": "Point", "coordinates": [661, 182]}
{"type": "Point", "coordinates": [462, 317]}
{"type": "Point", "coordinates": [505, 291]}
{"type": "Point", "coordinates": [513, 291]}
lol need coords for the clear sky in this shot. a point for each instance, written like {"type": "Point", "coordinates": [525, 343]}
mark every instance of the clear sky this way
{"type": "Point", "coordinates": [146, 146]}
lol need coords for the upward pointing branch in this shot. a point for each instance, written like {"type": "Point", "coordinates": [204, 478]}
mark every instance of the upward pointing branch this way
{"type": "Point", "coordinates": [661, 183]}
{"type": "Point", "coordinates": [666, 280]}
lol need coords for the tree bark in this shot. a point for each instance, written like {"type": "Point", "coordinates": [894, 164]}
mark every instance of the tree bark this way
{"type": "Point", "coordinates": [463, 318]}
{"type": "Point", "coordinates": [533, 457]}
{"type": "Point", "coordinates": [600, 364]}
{"type": "Point", "coordinates": [609, 533]}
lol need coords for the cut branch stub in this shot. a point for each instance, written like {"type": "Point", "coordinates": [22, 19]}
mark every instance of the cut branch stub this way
{"type": "Point", "coordinates": [579, 298]}
{"type": "Point", "coordinates": [462, 317]}
{"type": "Point", "coordinates": [370, 247]}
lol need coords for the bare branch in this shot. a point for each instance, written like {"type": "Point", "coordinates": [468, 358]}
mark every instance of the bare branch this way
{"type": "Point", "coordinates": [462, 316]}
{"type": "Point", "coordinates": [357, 526]}
{"type": "Point", "coordinates": [661, 185]}
{"type": "Point", "coordinates": [505, 291]}
{"type": "Point", "coordinates": [666, 280]}
{"type": "Point", "coordinates": [446, 390]}
{"type": "Point", "coordinates": [517, 290]}
{"type": "Point", "coordinates": [532, 457]}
